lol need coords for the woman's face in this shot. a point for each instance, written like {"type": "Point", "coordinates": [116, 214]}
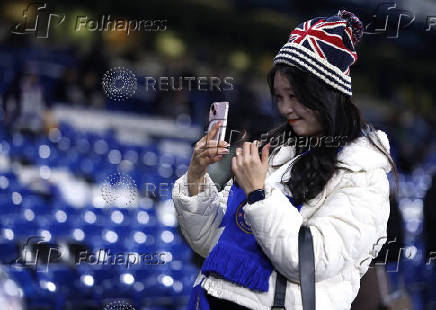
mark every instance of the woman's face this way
{"type": "Point", "coordinates": [303, 120]}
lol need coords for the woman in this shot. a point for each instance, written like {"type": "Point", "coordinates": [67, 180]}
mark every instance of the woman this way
{"type": "Point", "coordinates": [327, 169]}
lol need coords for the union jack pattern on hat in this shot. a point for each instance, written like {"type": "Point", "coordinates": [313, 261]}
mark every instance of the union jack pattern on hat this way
{"type": "Point", "coordinates": [325, 47]}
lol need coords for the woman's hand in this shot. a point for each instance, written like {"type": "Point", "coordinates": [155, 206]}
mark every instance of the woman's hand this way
{"type": "Point", "coordinates": [249, 169]}
{"type": "Point", "coordinates": [206, 152]}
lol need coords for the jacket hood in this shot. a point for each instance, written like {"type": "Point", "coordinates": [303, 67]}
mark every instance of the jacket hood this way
{"type": "Point", "coordinates": [359, 155]}
{"type": "Point", "coordinates": [362, 155]}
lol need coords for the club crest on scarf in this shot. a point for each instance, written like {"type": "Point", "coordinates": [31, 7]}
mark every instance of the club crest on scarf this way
{"type": "Point", "coordinates": [240, 220]}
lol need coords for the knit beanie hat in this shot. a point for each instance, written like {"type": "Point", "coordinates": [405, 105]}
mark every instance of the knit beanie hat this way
{"type": "Point", "coordinates": [325, 47]}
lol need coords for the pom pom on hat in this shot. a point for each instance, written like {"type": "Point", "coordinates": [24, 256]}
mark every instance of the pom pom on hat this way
{"type": "Point", "coordinates": [354, 22]}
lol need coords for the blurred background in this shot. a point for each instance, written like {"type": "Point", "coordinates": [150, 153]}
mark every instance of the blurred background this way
{"type": "Point", "coordinates": [81, 164]}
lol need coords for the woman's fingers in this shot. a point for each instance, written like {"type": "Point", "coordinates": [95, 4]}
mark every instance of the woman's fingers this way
{"type": "Point", "coordinates": [208, 136]}
{"type": "Point", "coordinates": [201, 145]}
{"type": "Point", "coordinates": [212, 149]}
{"type": "Point", "coordinates": [213, 131]}
{"type": "Point", "coordinates": [239, 156]}
{"type": "Point", "coordinates": [254, 148]}
{"type": "Point", "coordinates": [216, 158]}
{"type": "Point", "coordinates": [246, 150]}
{"type": "Point", "coordinates": [265, 154]}
{"type": "Point", "coordinates": [213, 152]}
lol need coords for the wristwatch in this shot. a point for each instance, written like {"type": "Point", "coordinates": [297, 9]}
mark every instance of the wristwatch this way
{"type": "Point", "coordinates": [256, 195]}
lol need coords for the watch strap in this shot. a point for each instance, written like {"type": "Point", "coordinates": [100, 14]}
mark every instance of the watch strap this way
{"type": "Point", "coordinates": [255, 195]}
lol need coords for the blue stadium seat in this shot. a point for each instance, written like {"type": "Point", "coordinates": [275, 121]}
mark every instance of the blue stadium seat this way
{"type": "Point", "coordinates": [106, 282]}
{"type": "Point", "coordinates": [141, 240]}
{"type": "Point", "coordinates": [37, 296]}
{"type": "Point", "coordinates": [65, 279]}
{"type": "Point", "coordinates": [10, 176]}
{"type": "Point", "coordinates": [24, 229]}
{"type": "Point", "coordinates": [119, 216]}
{"type": "Point", "coordinates": [25, 280]}
{"type": "Point", "coordinates": [8, 252]}
{"type": "Point", "coordinates": [61, 231]}
{"type": "Point", "coordinates": [93, 215]}
{"type": "Point", "coordinates": [65, 214]}
{"type": "Point", "coordinates": [93, 233]}
{"type": "Point", "coordinates": [7, 207]}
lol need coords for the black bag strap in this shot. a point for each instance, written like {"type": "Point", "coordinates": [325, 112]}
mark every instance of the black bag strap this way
{"type": "Point", "coordinates": [280, 292]}
{"type": "Point", "coordinates": [306, 261]}
{"type": "Point", "coordinates": [306, 270]}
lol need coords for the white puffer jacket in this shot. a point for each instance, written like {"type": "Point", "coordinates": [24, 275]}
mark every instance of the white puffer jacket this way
{"type": "Point", "coordinates": [347, 220]}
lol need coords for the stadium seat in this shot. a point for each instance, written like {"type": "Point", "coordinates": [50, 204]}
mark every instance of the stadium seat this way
{"type": "Point", "coordinates": [8, 252]}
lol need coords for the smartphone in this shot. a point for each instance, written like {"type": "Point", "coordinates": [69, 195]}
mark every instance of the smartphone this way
{"type": "Point", "coordinates": [218, 112]}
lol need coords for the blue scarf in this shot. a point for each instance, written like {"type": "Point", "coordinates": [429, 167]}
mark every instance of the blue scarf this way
{"type": "Point", "coordinates": [237, 256]}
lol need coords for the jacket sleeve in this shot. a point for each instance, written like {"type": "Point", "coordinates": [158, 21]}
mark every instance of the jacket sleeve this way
{"type": "Point", "coordinates": [200, 216]}
{"type": "Point", "coordinates": [346, 227]}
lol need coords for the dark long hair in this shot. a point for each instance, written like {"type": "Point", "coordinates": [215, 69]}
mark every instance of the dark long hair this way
{"type": "Point", "coordinates": [341, 120]}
